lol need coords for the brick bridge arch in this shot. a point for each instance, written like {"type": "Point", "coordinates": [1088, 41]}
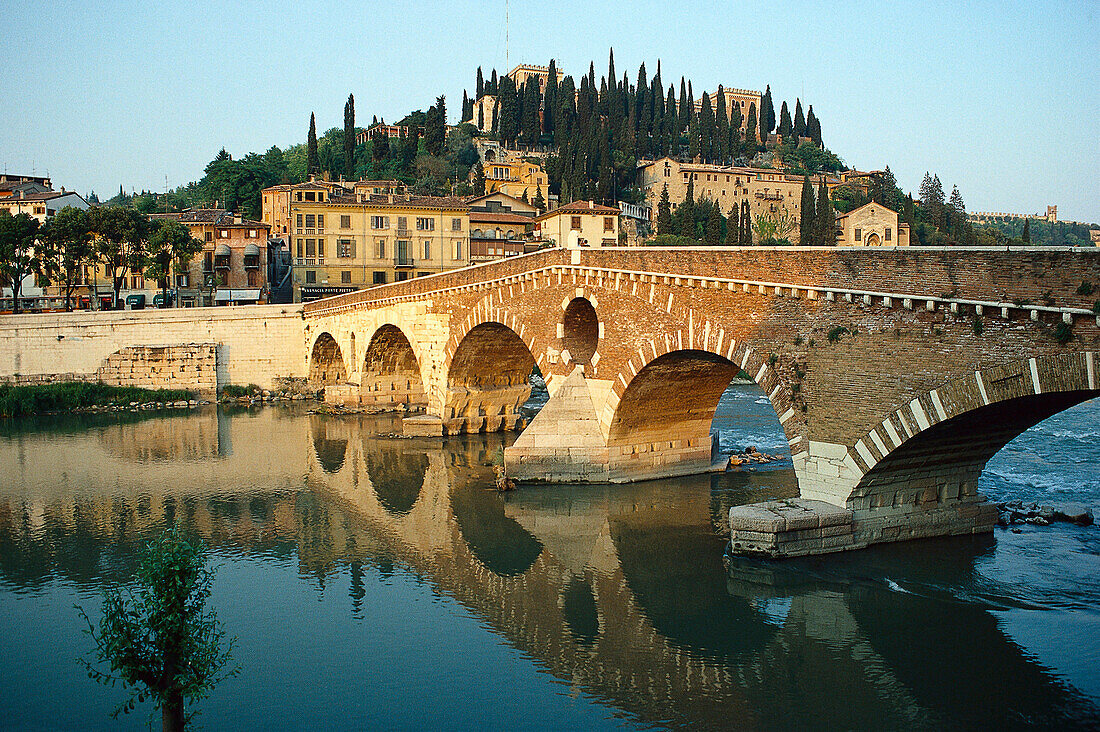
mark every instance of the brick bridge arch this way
{"type": "Point", "coordinates": [853, 347]}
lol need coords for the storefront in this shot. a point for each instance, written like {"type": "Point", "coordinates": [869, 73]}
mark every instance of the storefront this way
{"type": "Point", "coordinates": [316, 292]}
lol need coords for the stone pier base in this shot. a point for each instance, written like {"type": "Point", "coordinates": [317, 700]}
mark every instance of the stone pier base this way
{"type": "Point", "coordinates": [799, 527]}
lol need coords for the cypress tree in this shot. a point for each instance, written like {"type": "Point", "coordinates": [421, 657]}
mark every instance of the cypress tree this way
{"type": "Point", "coordinates": [799, 121]}
{"type": "Point", "coordinates": [813, 127]}
{"type": "Point", "coordinates": [509, 117]}
{"type": "Point", "coordinates": [550, 99]}
{"type": "Point", "coordinates": [642, 107]}
{"type": "Point", "coordinates": [751, 138]}
{"type": "Point", "coordinates": [707, 129]}
{"type": "Point", "coordinates": [433, 127]}
{"type": "Point", "coordinates": [746, 224]}
{"type": "Point", "coordinates": [538, 201]}
{"type": "Point", "coordinates": [380, 146]}
{"type": "Point", "coordinates": [532, 101]}
{"type": "Point", "coordinates": [807, 212]}
{"type": "Point", "coordinates": [494, 85]}
{"type": "Point", "coordinates": [313, 162]}
{"type": "Point", "coordinates": [480, 83]}
{"type": "Point", "coordinates": [479, 179]}
{"type": "Point", "coordinates": [664, 213]}
{"type": "Point", "coordinates": [1025, 237]}
{"type": "Point", "coordinates": [683, 108]}
{"type": "Point", "coordinates": [349, 137]}
{"type": "Point", "coordinates": [721, 129]}
{"type": "Point", "coordinates": [786, 126]}
{"type": "Point", "coordinates": [824, 219]}
{"type": "Point", "coordinates": [713, 234]}
{"type": "Point", "coordinates": [733, 226]}
{"type": "Point", "coordinates": [767, 114]}
{"type": "Point", "coordinates": [670, 136]}
{"type": "Point", "coordinates": [695, 145]}
{"type": "Point", "coordinates": [686, 212]}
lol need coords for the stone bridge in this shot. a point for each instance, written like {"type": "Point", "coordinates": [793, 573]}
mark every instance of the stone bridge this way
{"type": "Point", "coordinates": [895, 373]}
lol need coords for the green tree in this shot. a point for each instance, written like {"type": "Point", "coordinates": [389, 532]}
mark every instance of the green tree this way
{"type": "Point", "coordinates": [712, 235]}
{"type": "Point", "coordinates": [538, 201]}
{"type": "Point", "coordinates": [1026, 236]}
{"type": "Point", "coordinates": [807, 213]}
{"type": "Point", "coordinates": [824, 219]}
{"type": "Point", "coordinates": [434, 120]}
{"type": "Point", "coordinates": [349, 137]}
{"type": "Point", "coordinates": [479, 179]}
{"type": "Point", "coordinates": [686, 211]}
{"type": "Point", "coordinates": [746, 224]}
{"type": "Point", "coordinates": [170, 243]}
{"type": "Point", "coordinates": [664, 213]}
{"type": "Point", "coordinates": [799, 121]}
{"type": "Point", "coordinates": [813, 127]}
{"type": "Point", "coordinates": [18, 257]}
{"type": "Point", "coordinates": [67, 243]}
{"type": "Point", "coordinates": [508, 117]}
{"type": "Point", "coordinates": [767, 114]}
{"type": "Point", "coordinates": [159, 639]}
{"type": "Point", "coordinates": [313, 162]}
{"type": "Point", "coordinates": [786, 127]}
{"type": "Point", "coordinates": [751, 138]}
{"type": "Point", "coordinates": [119, 241]}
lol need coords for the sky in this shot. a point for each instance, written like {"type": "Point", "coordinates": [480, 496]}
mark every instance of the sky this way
{"type": "Point", "coordinates": [1001, 99]}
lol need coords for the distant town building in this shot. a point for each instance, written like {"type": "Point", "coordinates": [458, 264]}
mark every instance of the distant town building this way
{"type": "Point", "coordinates": [990, 217]}
{"type": "Point", "coordinates": [871, 225]}
{"type": "Point", "coordinates": [580, 224]}
{"type": "Point", "coordinates": [516, 177]}
{"type": "Point", "coordinates": [500, 226]}
{"type": "Point", "coordinates": [41, 205]}
{"type": "Point", "coordinates": [768, 191]}
{"type": "Point", "coordinates": [13, 185]}
{"type": "Point", "coordinates": [521, 73]}
{"type": "Point", "coordinates": [382, 128]}
{"type": "Point", "coordinates": [345, 236]}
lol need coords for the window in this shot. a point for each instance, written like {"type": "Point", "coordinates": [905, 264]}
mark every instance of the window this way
{"type": "Point", "coordinates": [575, 223]}
{"type": "Point", "coordinates": [345, 277]}
{"type": "Point", "coordinates": [320, 221]}
{"type": "Point", "coordinates": [380, 222]}
{"type": "Point", "coordinates": [345, 221]}
{"type": "Point", "coordinates": [210, 236]}
{"type": "Point", "coordinates": [320, 249]}
{"type": "Point", "coordinates": [608, 223]}
{"type": "Point", "coordinates": [427, 250]}
{"type": "Point", "coordinates": [345, 248]}
{"type": "Point", "coordinates": [379, 278]}
{"type": "Point", "coordinates": [251, 233]}
{"type": "Point", "coordinates": [889, 232]}
{"type": "Point", "coordinates": [402, 222]}
{"type": "Point", "coordinates": [424, 223]}
{"type": "Point", "coordinates": [299, 221]}
{"type": "Point", "coordinates": [182, 280]}
{"type": "Point", "coordinates": [311, 277]}
{"type": "Point", "coordinates": [402, 276]}
{"type": "Point", "coordinates": [380, 249]}
{"type": "Point", "coordinates": [458, 250]}
{"type": "Point", "coordinates": [456, 224]}
{"type": "Point", "coordinates": [223, 278]}
{"type": "Point", "coordinates": [301, 252]}
{"type": "Point", "coordinates": [859, 234]}
{"type": "Point", "coordinates": [311, 247]}
{"type": "Point", "coordinates": [253, 278]}
{"type": "Point", "coordinates": [311, 196]}
{"type": "Point", "coordinates": [310, 221]}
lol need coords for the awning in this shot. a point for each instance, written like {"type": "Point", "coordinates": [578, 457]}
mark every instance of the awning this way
{"type": "Point", "coordinates": [251, 250]}
{"type": "Point", "coordinates": [222, 251]}
{"type": "Point", "coordinates": [236, 295]}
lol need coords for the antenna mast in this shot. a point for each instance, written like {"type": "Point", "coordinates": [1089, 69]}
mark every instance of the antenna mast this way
{"type": "Point", "coordinates": [506, 62]}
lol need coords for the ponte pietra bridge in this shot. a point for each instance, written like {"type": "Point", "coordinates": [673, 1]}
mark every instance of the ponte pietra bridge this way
{"type": "Point", "coordinates": [895, 373]}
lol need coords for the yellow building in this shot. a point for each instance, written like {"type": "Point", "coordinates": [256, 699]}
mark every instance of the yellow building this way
{"type": "Point", "coordinates": [580, 224]}
{"type": "Point", "coordinates": [871, 225]}
{"type": "Point", "coordinates": [768, 191]}
{"type": "Point", "coordinates": [516, 177]}
{"type": "Point", "coordinates": [343, 241]}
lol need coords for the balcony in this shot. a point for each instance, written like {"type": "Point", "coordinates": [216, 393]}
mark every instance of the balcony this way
{"type": "Point", "coordinates": [403, 261]}
{"type": "Point", "coordinates": [310, 261]}
{"type": "Point", "coordinates": [769, 196]}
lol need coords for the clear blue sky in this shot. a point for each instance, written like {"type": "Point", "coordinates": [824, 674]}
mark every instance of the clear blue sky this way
{"type": "Point", "coordinates": [1001, 99]}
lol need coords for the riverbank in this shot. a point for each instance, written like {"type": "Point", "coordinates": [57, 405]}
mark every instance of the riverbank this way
{"type": "Point", "coordinates": [26, 400]}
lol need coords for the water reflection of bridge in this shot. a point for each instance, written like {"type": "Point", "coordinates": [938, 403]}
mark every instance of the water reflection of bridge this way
{"type": "Point", "coordinates": [603, 585]}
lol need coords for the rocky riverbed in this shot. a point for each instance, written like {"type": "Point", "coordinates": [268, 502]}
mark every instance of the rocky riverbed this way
{"type": "Point", "coordinates": [1021, 512]}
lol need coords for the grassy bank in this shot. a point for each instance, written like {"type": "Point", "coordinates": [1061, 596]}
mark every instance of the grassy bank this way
{"type": "Point", "coordinates": [19, 401]}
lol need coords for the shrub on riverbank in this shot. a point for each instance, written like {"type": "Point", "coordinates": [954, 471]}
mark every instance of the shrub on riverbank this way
{"type": "Point", "coordinates": [19, 401]}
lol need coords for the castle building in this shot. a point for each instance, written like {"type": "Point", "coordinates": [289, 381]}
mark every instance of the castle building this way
{"type": "Point", "coordinates": [740, 98]}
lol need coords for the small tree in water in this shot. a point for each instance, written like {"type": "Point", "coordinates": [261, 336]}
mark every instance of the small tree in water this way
{"type": "Point", "coordinates": [159, 639]}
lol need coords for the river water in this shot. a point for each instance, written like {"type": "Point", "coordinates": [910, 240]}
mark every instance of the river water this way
{"type": "Point", "coordinates": [374, 582]}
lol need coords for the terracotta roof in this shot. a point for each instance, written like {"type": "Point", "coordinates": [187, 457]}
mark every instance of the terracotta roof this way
{"type": "Point", "coordinates": [43, 196]}
{"type": "Point", "coordinates": [213, 216]}
{"type": "Point", "coordinates": [581, 207]}
{"type": "Point", "coordinates": [492, 217]}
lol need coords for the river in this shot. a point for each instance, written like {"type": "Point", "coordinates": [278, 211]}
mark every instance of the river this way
{"type": "Point", "coordinates": [374, 582]}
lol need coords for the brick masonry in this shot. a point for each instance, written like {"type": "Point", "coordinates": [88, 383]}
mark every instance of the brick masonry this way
{"type": "Point", "coordinates": [859, 351]}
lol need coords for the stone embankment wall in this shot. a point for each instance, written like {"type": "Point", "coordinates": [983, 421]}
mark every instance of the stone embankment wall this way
{"type": "Point", "coordinates": [192, 366]}
{"type": "Point", "coordinates": [251, 344]}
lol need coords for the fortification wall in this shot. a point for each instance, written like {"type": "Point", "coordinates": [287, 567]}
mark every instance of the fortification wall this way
{"type": "Point", "coordinates": [253, 344]}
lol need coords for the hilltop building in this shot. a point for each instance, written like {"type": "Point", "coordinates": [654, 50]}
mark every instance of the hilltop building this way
{"type": "Point", "coordinates": [743, 99]}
